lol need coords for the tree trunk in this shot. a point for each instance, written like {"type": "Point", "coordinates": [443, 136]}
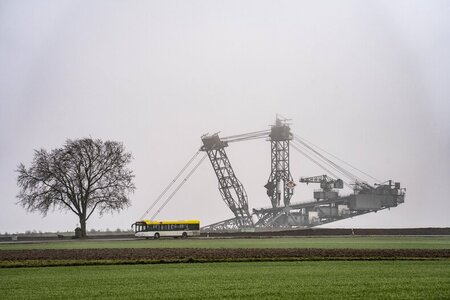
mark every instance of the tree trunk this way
{"type": "Point", "coordinates": [83, 226]}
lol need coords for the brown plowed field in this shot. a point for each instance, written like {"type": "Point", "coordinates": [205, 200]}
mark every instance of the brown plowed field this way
{"type": "Point", "coordinates": [170, 254]}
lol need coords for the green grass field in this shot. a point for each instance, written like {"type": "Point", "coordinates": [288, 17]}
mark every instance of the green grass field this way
{"type": "Point", "coordinates": [372, 242]}
{"type": "Point", "coordinates": [257, 280]}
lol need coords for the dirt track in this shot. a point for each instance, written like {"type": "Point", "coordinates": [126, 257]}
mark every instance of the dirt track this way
{"type": "Point", "coordinates": [171, 254]}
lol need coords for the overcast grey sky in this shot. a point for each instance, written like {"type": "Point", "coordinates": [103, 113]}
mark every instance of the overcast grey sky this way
{"type": "Point", "coordinates": [366, 80]}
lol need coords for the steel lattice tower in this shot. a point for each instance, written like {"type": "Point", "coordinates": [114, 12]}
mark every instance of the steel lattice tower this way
{"type": "Point", "coordinates": [231, 189]}
{"type": "Point", "coordinates": [280, 184]}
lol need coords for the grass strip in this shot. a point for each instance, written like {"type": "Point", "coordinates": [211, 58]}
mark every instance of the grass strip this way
{"type": "Point", "coordinates": [233, 280]}
{"type": "Point", "coordinates": [368, 242]}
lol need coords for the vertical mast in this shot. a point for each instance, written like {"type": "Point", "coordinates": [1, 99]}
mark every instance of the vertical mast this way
{"type": "Point", "coordinates": [280, 184]}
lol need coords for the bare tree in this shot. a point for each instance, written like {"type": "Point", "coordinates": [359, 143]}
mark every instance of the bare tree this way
{"type": "Point", "coordinates": [83, 176]}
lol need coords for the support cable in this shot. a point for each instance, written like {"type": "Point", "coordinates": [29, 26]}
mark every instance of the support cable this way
{"type": "Point", "coordinates": [338, 168]}
{"type": "Point", "coordinates": [178, 187]}
{"type": "Point", "coordinates": [170, 185]}
{"type": "Point", "coordinates": [247, 138]}
{"type": "Point", "coordinates": [347, 182]}
{"type": "Point", "coordinates": [341, 160]}
{"type": "Point", "coordinates": [331, 163]}
{"type": "Point", "coordinates": [315, 161]}
{"type": "Point", "coordinates": [250, 134]}
{"type": "Point", "coordinates": [320, 165]}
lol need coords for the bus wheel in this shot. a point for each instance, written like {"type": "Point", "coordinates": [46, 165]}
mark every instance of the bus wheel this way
{"type": "Point", "coordinates": [184, 235]}
{"type": "Point", "coordinates": [156, 236]}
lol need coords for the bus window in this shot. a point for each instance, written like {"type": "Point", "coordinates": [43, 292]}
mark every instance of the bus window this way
{"type": "Point", "coordinates": [193, 227]}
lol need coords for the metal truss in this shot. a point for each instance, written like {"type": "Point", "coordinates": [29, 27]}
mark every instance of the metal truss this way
{"type": "Point", "coordinates": [327, 207]}
{"type": "Point", "coordinates": [280, 184]}
{"type": "Point", "coordinates": [233, 224]}
{"type": "Point", "coordinates": [231, 189]}
{"type": "Point", "coordinates": [324, 211]}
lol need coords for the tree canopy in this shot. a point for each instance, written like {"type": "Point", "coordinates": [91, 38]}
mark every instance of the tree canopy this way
{"type": "Point", "coordinates": [83, 176]}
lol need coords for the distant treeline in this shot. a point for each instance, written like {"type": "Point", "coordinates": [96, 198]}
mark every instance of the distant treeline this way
{"type": "Point", "coordinates": [46, 233]}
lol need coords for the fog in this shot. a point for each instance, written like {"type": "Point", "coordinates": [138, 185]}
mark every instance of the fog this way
{"type": "Point", "coordinates": [366, 80]}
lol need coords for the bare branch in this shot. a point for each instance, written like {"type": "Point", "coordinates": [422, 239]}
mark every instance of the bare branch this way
{"type": "Point", "coordinates": [83, 176]}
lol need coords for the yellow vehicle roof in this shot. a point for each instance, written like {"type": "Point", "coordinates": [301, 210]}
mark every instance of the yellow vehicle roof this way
{"type": "Point", "coordinates": [183, 222]}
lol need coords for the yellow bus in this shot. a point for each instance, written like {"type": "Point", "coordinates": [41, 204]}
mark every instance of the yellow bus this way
{"type": "Point", "coordinates": [156, 229]}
